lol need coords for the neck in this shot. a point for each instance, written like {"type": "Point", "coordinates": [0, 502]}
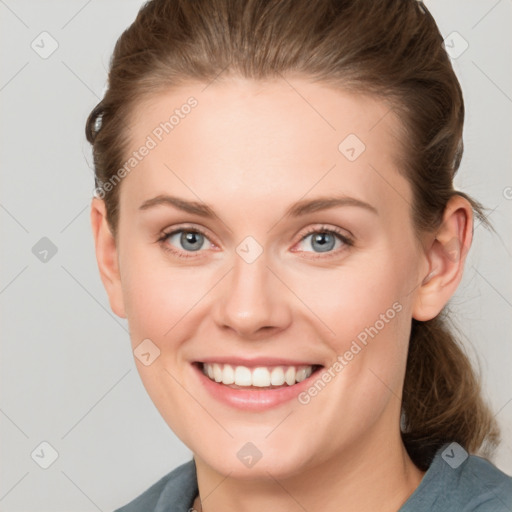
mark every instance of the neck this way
{"type": "Point", "coordinates": [365, 477]}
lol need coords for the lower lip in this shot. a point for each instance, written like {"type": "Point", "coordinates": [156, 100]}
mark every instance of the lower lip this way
{"type": "Point", "coordinates": [253, 399]}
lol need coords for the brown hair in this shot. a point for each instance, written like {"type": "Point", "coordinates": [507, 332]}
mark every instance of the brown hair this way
{"type": "Point", "coordinates": [391, 49]}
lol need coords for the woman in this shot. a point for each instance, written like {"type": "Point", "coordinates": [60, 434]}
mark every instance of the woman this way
{"type": "Point", "coordinates": [275, 216]}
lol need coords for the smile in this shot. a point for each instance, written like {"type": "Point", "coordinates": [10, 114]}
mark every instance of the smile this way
{"type": "Point", "coordinates": [260, 376]}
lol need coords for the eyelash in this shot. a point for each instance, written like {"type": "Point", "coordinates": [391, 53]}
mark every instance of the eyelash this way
{"type": "Point", "coordinates": [347, 241]}
{"type": "Point", "coordinates": [175, 252]}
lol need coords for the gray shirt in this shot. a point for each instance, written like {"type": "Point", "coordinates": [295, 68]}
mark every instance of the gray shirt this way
{"type": "Point", "coordinates": [454, 482]}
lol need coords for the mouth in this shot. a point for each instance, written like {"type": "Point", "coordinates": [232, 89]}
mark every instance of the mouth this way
{"type": "Point", "coordinates": [257, 377]}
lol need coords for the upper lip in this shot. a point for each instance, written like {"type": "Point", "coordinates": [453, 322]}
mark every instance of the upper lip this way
{"type": "Point", "coordinates": [256, 361]}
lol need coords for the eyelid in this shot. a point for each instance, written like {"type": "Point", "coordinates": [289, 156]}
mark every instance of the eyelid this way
{"type": "Point", "coordinates": [185, 227]}
{"type": "Point", "coordinates": [323, 228]}
{"type": "Point", "coordinates": [347, 240]}
{"type": "Point", "coordinates": [166, 233]}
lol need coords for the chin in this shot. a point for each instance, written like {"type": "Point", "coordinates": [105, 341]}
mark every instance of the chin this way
{"type": "Point", "coordinates": [280, 464]}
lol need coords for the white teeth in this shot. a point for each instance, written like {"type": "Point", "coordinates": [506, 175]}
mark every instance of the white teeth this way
{"type": "Point", "coordinates": [289, 376]}
{"type": "Point", "coordinates": [228, 375]}
{"type": "Point", "coordinates": [217, 372]}
{"type": "Point", "coordinates": [277, 376]}
{"type": "Point", "coordinates": [260, 376]}
{"type": "Point", "coordinates": [300, 375]}
{"type": "Point", "coordinates": [243, 376]}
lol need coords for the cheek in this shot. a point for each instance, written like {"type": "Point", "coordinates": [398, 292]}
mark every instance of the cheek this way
{"type": "Point", "coordinates": [160, 302]}
{"type": "Point", "coordinates": [367, 309]}
{"type": "Point", "coordinates": [157, 296]}
{"type": "Point", "coordinates": [369, 316]}
{"type": "Point", "coordinates": [357, 296]}
{"type": "Point", "coordinates": [157, 302]}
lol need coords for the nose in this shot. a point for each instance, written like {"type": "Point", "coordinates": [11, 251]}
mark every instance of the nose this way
{"type": "Point", "coordinates": [252, 301]}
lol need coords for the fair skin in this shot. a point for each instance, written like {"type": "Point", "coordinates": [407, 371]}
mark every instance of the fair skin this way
{"type": "Point", "coordinates": [249, 151]}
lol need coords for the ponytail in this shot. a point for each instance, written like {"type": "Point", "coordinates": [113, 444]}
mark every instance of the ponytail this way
{"type": "Point", "coordinates": [441, 399]}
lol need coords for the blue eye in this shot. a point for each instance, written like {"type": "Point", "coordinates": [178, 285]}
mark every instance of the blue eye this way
{"type": "Point", "coordinates": [185, 240]}
{"type": "Point", "coordinates": [324, 240]}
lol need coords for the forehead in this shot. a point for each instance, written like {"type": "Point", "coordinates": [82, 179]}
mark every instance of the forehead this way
{"type": "Point", "coordinates": [251, 137]}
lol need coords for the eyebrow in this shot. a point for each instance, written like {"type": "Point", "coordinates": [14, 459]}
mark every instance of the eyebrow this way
{"type": "Point", "coordinates": [193, 207]}
{"type": "Point", "coordinates": [298, 209]}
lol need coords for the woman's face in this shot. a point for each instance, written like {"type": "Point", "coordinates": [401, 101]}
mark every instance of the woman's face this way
{"type": "Point", "coordinates": [306, 257]}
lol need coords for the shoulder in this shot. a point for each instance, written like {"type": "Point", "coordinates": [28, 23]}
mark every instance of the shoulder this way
{"type": "Point", "coordinates": [457, 481]}
{"type": "Point", "coordinates": [179, 488]}
{"type": "Point", "coordinates": [485, 488]}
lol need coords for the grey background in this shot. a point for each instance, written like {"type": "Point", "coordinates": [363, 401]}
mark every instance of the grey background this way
{"type": "Point", "coordinates": [67, 371]}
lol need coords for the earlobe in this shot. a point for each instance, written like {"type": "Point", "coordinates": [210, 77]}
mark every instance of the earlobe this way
{"type": "Point", "coordinates": [106, 256]}
{"type": "Point", "coordinates": [446, 254]}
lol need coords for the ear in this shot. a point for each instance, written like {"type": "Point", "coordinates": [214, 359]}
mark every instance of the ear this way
{"type": "Point", "coordinates": [106, 256]}
{"type": "Point", "coordinates": [446, 254]}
